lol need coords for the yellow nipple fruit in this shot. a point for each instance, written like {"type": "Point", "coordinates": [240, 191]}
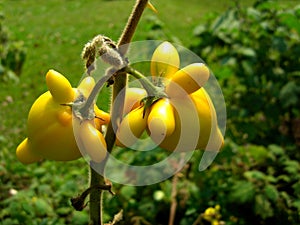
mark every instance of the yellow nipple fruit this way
{"type": "Point", "coordinates": [59, 87]}
{"type": "Point", "coordinates": [161, 121]}
{"type": "Point", "coordinates": [131, 127]}
{"type": "Point", "coordinates": [133, 97]}
{"type": "Point", "coordinates": [90, 140]}
{"type": "Point", "coordinates": [196, 124]}
{"type": "Point", "coordinates": [187, 80]}
{"type": "Point", "coordinates": [50, 126]}
{"type": "Point", "coordinates": [165, 61]}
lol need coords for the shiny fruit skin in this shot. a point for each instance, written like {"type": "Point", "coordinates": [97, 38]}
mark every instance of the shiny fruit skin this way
{"type": "Point", "coordinates": [200, 124]}
{"type": "Point", "coordinates": [133, 97]}
{"type": "Point", "coordinates": [131, 127]}
{"type": "Point", "coordinates": [90, 140]}
{"type": "Point", "coordinates": [187, 80]}
{"type": "Point", "coordinates": [161, 121]}
{"type": "Point", "coordinates": [165, 61]}
{"type": "Point", "coordinates": [59, 87]}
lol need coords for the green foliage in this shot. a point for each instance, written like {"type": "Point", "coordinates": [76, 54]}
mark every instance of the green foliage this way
{"type": "Point", "coordinates": [253, 190]}
{"type": "Point", "coordinates": [253, 184]}
{"type": "Point", "coordinates": [40, 194]}
{"type": "Point", "coordinates": [255, 54]}
{"type": "Point", "coordinates": [12, 54]}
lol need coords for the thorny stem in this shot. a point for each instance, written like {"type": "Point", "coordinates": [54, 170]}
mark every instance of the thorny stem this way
{"type": "Point", "coordinates": [78, 202]}
{"type": "Point", "coordinates": [116, 112]}
{"type": "Point", "coordinates": [131, 25]}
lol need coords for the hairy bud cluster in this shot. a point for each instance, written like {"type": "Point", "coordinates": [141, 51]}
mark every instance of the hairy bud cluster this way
{"type": "Point", "coordinates": [106, 49]}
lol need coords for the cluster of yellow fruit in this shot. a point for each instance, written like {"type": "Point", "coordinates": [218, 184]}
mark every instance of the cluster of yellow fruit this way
{"type": "Point", "coordinates": [51, 124]}
{"type": "Point", "coordinates": [183, 120]}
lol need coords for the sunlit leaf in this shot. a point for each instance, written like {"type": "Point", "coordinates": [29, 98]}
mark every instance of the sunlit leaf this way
{"type": "Point", "coordinates": [242, 192]}
{"type": "Point", "coordinates": [271, 192]}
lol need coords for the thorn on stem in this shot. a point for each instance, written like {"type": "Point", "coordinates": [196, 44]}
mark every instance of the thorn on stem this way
{"type": "Point", "coordinates": [78, 202]}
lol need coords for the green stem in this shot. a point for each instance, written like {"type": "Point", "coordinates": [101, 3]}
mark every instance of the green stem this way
{"type": "Point", "coordinates": [95, 198]}
{"type": "Point", "coordinates": [90, 100]}
{"type": "Point", "coordinates": [116, 112]}
{"type": "Point", "coordinates": [151, 89]}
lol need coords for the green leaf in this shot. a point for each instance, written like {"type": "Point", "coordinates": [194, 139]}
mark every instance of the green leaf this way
{"type": "Point", "coordinates": [296, 187]}
{"type": "Point", "coordinates": [247, 67]}
{"type": "Point", "coordinates": [289, 94]}
{"type": "Point", "coordinates": [253, 13]}
{"type": "Point", "coordinates": [228, 22]}
{"type": "Point", "coordinates": [290, 20]}
{"type": "Point", "coordinates": [263, 207]}
{"type": "Point", "coordinates": [246, 51]}
{"type": "Point", "coordinates": [224, 73]}
{"type": "Point", "coordinates": [199, 30]}
{"type": "Point", "coordinates": [255, 175]}
{"type": "Point", "coordinates": [128, 192]}
{"type": "Point", "coordinates": [284, 178]}
{"type": "Point", "coordinates": [258, 153]}
{"type": "Point", "coordinates": [80, 218]}
{"type": "Point", "coordinates": [296, 204]}
{"type": "Point", "coordinates": [42, 208]}
{"type": "Point", "coordinates": [292, 167]}
{"type": "Point", "coordinates": [279, 44]}
{"type": "Point", "coordinates": [277, 150]}
{"type": "Point", "coordinates": [242, 192]}
{"type": "Point", "coordinates": [271, 192]}
{"type": "Point", "coordinates": [63, 211]}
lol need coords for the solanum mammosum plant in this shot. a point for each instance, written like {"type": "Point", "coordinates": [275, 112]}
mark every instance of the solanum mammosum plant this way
{"type": "Point", "coordinates": [172, 108]}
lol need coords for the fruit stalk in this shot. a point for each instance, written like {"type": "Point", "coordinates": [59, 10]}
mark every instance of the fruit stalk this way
{"type": "Point", "coordinates": [151, 89]}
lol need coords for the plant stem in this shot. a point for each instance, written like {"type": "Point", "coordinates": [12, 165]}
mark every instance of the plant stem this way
{"type": "Point", "coordinates": [95, 198]}
{"type": "Point", "coordinates": [173, 200]}
{"type": "Point", "coordinates": [90, 100]}
{"type": "Point", "coordinates": [131, 25]}
{"type": "Point", "coordinates": [151, 89]}
{"type": "Point", "coordinates": [116, 112]}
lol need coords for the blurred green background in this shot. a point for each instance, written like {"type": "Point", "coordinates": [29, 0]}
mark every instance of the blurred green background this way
{"type": "Point", "coordinates": [253, 49]}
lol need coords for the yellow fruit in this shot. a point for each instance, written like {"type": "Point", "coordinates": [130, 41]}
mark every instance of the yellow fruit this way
{"type": "Point", "coordinates": [161, 121]}
{"type": "Point", "coordinates": [50, 132]}
{"type": "Point", "coordinates": [187, 80]}
{"type": "Point", "coordinates": [165, 61]}
{"type": "Point", "coordinates": [196, 125]}
{"type": "Point", "coordinates": [131, 127]}
{"type": "Point", "coordinates": [25, 155]}
{"type": "Point", "coordinates": [133, 97]}
{"type": "Point", "coordinates": [86, 86]}
{"type": "Point", "coordinates": [59, 87]}
{"type": "Point", "coordinates": [101, 117]}
{"type": "Point", "coordinates": [90, 140]}
{"type": "Point", "coordinates": [50, 125]}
